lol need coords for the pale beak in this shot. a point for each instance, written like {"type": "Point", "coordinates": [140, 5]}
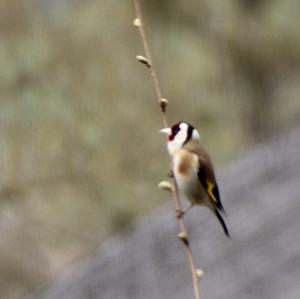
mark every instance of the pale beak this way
{"type": "Point", "coordinates": [167, 131]}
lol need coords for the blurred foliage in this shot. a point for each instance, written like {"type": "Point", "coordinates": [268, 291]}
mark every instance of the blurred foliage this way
{"type": "Point", "coordinates": [80, 152]}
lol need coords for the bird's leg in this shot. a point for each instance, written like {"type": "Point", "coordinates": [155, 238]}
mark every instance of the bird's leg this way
{"type": "Point", "coordinates": [181, 213]}
{"type": "Point", "coordinates": [170, 172]}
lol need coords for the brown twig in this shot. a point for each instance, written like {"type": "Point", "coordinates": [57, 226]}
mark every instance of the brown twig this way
{"type": "Point", "coordinates": [147, 60]}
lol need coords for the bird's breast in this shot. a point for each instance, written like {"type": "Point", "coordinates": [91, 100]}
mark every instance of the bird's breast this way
{"type": "Point", "coordinates": [185, 163]}
{"type": "Point", "coordinates": [185, 167]}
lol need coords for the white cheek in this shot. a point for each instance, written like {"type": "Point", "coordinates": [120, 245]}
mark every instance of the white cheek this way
{"type": "Point", "coordinates": [180, 137]}
{"type": "Point", "coordinates": [173, 146]}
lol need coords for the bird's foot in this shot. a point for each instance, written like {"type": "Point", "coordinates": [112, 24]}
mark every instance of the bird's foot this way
{"type": "Point", "coordinates": [170, 174]}
{"type": "Point", "coordinates": [180, 214]}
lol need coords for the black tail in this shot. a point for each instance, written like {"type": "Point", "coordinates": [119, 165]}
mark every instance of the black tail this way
{"type": "Point", "coordinates": [221, 209]}
{"type": "Point", "coordinates": [220, 218]}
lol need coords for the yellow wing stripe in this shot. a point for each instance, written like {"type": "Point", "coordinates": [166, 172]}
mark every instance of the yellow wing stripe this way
{"type": "Point", "coordinates": [209, 190]}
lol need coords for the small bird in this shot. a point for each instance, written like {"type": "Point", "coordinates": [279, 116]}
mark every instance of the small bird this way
{"type": "Point", "coordinates": [193, 170]}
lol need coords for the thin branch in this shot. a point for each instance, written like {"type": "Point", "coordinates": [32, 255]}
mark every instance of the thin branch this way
{"type": "Point", "coordinates": [139, 22]}
{"type": "Point", "coordinates": [147, 60]}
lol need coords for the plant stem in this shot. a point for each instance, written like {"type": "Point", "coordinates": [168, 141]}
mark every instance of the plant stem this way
{"type": "Point", "coordinates": [139, 22]}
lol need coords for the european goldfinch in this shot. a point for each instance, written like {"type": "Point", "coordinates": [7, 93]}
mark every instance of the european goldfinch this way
{"type": "Point", "coordinates": [193, 170]}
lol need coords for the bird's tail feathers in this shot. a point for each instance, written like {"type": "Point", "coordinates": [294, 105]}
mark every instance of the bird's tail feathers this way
{"type": "Point", "coordinates": [222, 210]}
{"type": "Point", "coordinates": [221, 220]}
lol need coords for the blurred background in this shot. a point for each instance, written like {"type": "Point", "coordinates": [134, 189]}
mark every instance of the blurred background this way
{"type": "Point", "coordinates": [80, 150]}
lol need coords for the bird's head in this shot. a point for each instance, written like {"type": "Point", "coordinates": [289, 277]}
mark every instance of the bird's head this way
{"type": "Point", "coordinates": [180, 134]}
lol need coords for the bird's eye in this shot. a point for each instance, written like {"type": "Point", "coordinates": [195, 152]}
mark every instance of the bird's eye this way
{"type": "Point", "coordinates": [176, 130]}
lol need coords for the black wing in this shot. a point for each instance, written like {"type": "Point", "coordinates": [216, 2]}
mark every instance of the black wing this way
{"type": "Point", "coordinates": [211, 187]}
